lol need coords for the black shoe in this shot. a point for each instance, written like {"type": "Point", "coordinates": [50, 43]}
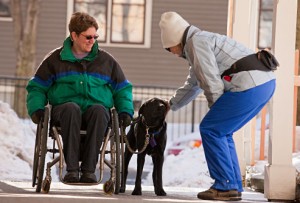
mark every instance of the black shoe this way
{"type": "Point", "coordinates": [72, 177]}
{"type": "Point", "coordinates": [88, 178]}
{"type": "Point", "coordinates": [213, 194]}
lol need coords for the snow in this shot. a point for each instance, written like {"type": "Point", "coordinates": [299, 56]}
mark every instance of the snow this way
{"type": "Point", "coordinates": [16, 143]}
{"type": "Point", "coordinates": [17, 138]}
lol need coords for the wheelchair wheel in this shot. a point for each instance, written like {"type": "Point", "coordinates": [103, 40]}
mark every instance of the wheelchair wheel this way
{"type": "Point", "coordinates": [36, 154]}
{"type": "Point", "coordinates": [117, 150]}
{"type": "Point", "coordinates": [40, 151]}
{"type": "Point", "coordinates": [122, 143]}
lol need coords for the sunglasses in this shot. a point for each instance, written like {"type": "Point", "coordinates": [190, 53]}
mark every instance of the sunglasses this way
{"type": "Point", "coordinates": [89, 37]}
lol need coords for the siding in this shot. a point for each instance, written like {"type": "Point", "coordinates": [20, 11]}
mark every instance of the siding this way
{"type": "Point", "coordinates": [52, 27]}
{"type": "Point", "coordinates": [7, 49]}
{"type": "Point", "coordinates": [155, 66]}
{"type": "Point", "coordinates": [50, 34]}
{"type": "Point", "coordinates": [149, 66]}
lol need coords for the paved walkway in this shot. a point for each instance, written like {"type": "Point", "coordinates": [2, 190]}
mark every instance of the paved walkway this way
{"type": "Point", "coordinates": [22, 192]}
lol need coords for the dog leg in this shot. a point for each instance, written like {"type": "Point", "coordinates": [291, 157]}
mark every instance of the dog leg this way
{"type": "Point", "coordinates": [158, 161]}
{"type": "Point", "coordinates": [127, 157]}
{"type": "Point", "coordinates": [138, 180]}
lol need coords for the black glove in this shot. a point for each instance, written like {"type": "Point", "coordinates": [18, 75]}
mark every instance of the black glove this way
{"type": "Point", "coordinates": [37, 116]}
{"type": "Point", "coordinates": [124, 120]}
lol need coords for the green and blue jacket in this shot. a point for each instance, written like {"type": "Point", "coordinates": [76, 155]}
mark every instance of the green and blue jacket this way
{"type": "Point", "coordinates": [95, 79]}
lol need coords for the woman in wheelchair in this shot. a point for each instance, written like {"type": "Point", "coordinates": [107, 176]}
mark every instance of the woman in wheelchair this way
{"type": "Point", "coordinates": [81, 82]}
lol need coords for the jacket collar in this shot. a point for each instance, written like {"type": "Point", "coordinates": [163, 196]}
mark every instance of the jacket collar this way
{"type": "Point", "coordinates": [188, 34]}
{"type": "Point", "coordinates": [67, 55]}
{"type": "Point", "coordinates": [184, 36]}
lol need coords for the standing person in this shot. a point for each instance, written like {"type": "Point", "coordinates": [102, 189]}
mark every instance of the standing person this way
{"type": "Point", "coordinates": [237, 86]}
{"type": "Point", "coordinates": [81, 82]}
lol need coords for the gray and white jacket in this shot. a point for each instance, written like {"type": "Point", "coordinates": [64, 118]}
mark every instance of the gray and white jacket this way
{"type": "Point", "coordinates": [209, 55]}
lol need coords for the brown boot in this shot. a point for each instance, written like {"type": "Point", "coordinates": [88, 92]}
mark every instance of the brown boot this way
{"type": "Point", "coordinates": [213, 194]}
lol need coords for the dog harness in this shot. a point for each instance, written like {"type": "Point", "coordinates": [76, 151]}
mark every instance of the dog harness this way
{"type": "Point", "coordinates": [149, 137]}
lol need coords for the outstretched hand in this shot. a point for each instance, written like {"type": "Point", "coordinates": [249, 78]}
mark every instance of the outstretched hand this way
{"type": "Point", "coordinates": [168, 105]}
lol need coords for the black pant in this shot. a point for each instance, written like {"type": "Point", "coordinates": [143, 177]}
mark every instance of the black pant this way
{"type": "Point", "coordinates": [70, 118]}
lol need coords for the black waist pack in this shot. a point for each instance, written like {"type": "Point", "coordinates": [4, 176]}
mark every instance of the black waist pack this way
{"type": "Point", "coordinates": [268, 59]}
{"type": "Point", "coordinates": [262, 60]}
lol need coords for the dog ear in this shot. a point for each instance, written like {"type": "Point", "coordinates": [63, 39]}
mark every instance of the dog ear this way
{"type": "Point", "coordinates": [141, 109]}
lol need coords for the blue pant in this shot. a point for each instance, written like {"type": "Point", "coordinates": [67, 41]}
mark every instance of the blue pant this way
{"type": "Point", "coordinates": [227, 115]}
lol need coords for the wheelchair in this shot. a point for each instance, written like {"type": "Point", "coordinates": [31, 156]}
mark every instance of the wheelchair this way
{"type": "Point", "coordinates": [112, 146]}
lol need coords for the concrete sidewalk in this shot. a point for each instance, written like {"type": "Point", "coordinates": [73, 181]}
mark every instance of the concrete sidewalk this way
{"type": "Point", "coordinates": [22, 192]}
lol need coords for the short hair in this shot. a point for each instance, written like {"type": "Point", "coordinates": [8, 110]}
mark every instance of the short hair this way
{"type": "Point", "coordinates": [80, 22]}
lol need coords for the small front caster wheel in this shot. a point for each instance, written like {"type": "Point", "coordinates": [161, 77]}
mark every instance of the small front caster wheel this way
{"type": "Point", "coordinates": [46, 186]}
{"type": "Point", "coordinates": [108, 187]}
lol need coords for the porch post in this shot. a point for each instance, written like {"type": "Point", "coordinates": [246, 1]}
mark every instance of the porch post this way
{"type": "Point", "coordinates": [280, 174]}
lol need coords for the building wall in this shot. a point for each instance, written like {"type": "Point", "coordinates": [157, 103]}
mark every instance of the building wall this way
{"type": "Point", "coordinates": [155, 66]}
{"type": "Point", "coordinates": [142, 66]}
{"type": "Point", "coordinates": [50, 34]}
{"type": "Point", "coordinates": [7, 48]}
{"type": "Point", "coordinates": [52, 27]}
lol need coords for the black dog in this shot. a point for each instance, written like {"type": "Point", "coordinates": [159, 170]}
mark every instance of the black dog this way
{"type": "Point", "coordinates": [150, 121]}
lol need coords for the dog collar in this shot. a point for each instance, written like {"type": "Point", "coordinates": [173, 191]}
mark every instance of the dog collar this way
{"type": "Point", "coordinates": [152, 135]}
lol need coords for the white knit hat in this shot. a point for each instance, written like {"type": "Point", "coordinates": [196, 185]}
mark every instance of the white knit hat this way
{"type": "Point", "coordinates": [172, 27]}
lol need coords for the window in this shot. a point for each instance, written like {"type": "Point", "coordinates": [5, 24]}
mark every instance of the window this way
{"type": "Point", "coordinates": [122, 23]}
{"type": "Point", "coordinates": [97, 9]}
{"type": "Point", "coordinates": [265, 24]}
{"type": "Point", "coordinates": [5, 9]}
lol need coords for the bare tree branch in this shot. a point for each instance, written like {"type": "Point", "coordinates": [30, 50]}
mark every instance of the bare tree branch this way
{"type": "Point", "coordinates": [25, 29]}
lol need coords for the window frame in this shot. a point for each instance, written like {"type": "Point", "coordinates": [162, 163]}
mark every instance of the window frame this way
{"type": "Point", "coordinates": [143, 25]}
{"type": "Point", "coordinates": [108, 43]}
{"type": "Point", "coordinates": [9, 17]}
{"type": "Point", "coordinates": [259, 36]}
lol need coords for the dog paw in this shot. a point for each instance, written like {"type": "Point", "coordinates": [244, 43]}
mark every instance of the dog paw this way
{"type": "Point", "coordinates": [122, 190]}
{"type": "Point", "coordinates": [160, 192]}
{"type": "Point", "coordinates": [136, 192]}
